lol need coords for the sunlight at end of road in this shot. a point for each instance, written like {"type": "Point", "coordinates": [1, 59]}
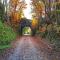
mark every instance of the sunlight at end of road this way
{"type": "Point", "coordinates": [27, 11]}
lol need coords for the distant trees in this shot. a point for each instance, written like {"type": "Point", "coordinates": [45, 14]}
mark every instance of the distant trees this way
{"type": "Point", "coordinates": [1, 11]}
{"type": "Point", "coordinates": [5, 8]}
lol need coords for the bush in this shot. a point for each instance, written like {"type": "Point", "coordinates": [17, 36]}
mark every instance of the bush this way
{"type": "Point", "coordinates": [54, 38]}
{"type": "Point", "coordinates": [6, 34]}
{"type": "Point", "coordinates": [52, 35]}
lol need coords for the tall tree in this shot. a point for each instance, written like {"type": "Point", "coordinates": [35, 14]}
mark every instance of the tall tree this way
{"type": "Point", "coordinates": [16, 8]}
{"type": "Point", "coordinates": [38, 7]}
{"type": "Point", "coordinates": [1, 11]}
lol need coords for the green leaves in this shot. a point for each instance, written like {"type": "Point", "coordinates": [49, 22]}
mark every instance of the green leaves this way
{"type": "Point", "coordinates": [6, 34]}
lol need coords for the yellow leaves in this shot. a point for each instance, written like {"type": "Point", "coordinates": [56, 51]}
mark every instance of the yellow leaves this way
{"type": "Point", "coordinates": [22, 16]}
{"type": "Point", "coordinates": [34, 22]}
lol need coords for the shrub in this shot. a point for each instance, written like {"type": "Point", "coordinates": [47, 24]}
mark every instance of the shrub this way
{"type": "Point", "coordinates": [6, 34]}
{"type": "Point", "coordinates": [52, 35]}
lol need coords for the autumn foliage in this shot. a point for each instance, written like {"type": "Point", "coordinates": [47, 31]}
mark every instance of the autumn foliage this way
{"type": "Point", "coordinates": [16, 10]}
{"type": "Point", "coordinates": [43, 29]}
{"type": "Point", "coordinates": [34, 22]}
{"type": "Point", "coordinates": [38, 7]}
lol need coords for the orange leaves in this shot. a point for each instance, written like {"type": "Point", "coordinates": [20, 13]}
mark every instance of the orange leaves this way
{"type": "Point", "coordinates": [39, 7]}
{"type": "Point", "coordinates": [22, 5]}
{"type": "Point", "coordinates": [43, 29]}
{"type": "Point", "coordinates": [17, 3]}
{"type": "Point", "coordinates": [16, 17]}
{"type": "Point", "coordinates": [14, 2]}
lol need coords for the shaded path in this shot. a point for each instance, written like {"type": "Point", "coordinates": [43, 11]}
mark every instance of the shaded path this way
{"type": "Point", "coordinates": [25, 50]}
{"type": "Point", "coordinates": [29, 48]}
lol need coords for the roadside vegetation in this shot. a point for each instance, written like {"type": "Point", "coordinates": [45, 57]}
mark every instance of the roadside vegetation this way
{"type": "Point", "coordinates": [52, 35]}
{"type": "Point", "coordinates": [49, 26]}
{"type": "Point", "coordinates": [6, 35]}
{"type": "Point", "coordinates": [6, 32]}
